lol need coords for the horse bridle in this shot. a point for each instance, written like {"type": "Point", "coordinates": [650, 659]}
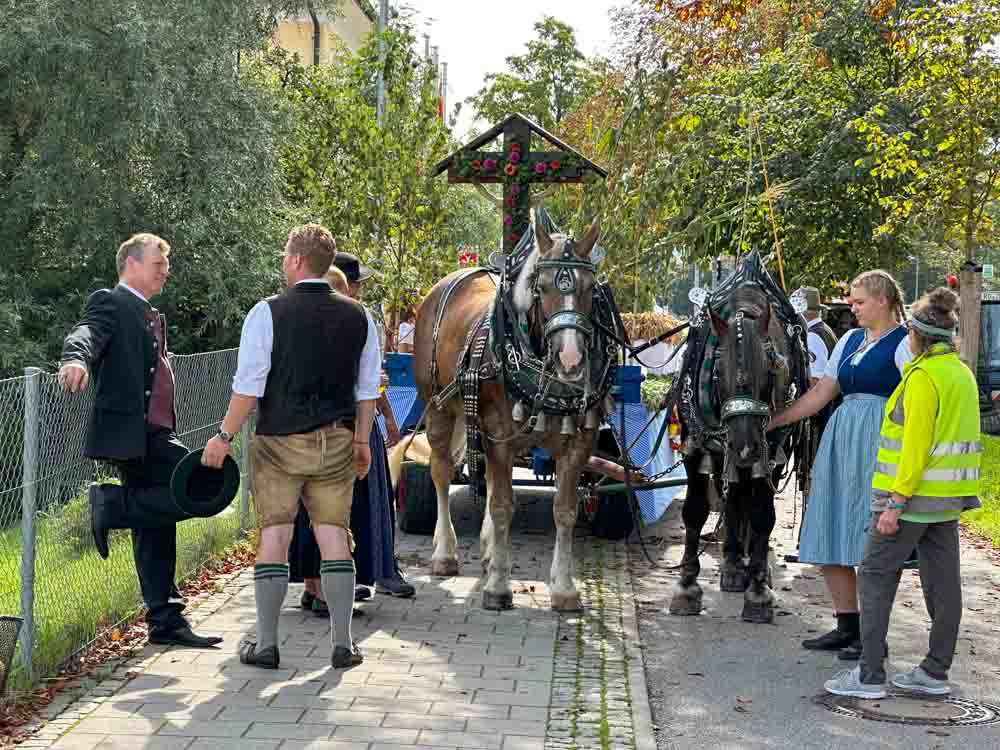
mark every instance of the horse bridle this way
{"type": "Point", "coordinates": [742, 405]}
{"type": "Point", "coordinates": [565, 283]}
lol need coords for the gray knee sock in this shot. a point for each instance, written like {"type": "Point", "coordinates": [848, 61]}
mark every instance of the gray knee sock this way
{"type": "Point", "coordinates": [270, 584]}
{"type": "Point", "coordinates": [338, 587]}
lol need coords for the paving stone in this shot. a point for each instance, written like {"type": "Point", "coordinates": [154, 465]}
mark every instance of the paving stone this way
{"type": "Point", "coordinates": [481, 741]}
{"type": "Point", "coordinates": [427, 721]}
{"type": "Point", "coordinates": [261, 714]}
{"type": "Point", "coordinates": [289, 731]}
{"type": "Point", "coordinates": [508, 726]}
{"type": "Point", "coordinates": [124, 742]}
{"type": "Point", "coordinates": [326, 745]}
{"type": "Point", "coordinates": [75, 741]}
{"type": "Point", "coordinates": [242, 743]}
{"type": "Point", "coordinates": [196, 728]}
{"type": "Point", "coordinates": [513, 742]}
{"type": "Point", "coordinates": [345, 718]}
{"type": "Point", "coordinates": [115, 726]}
{"type": "Point", "coordinates": [376, 734]}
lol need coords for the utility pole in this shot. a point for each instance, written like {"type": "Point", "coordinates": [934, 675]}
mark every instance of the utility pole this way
{"type": "Point", "coordinates": [383, 21]}
{"type": "Point", "coordinates": [444, 92]}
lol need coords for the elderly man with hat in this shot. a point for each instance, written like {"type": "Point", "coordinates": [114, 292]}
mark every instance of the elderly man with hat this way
{"type": "Point", "coordinates": [309, 362]}
{"type": "Point", "coordinates": [821, 338]}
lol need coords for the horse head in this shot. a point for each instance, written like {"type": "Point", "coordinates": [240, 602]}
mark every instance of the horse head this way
{"type": "Point", "coordinates": [745, 369]}
{"type": "Point", "coordinates": [555, 291]}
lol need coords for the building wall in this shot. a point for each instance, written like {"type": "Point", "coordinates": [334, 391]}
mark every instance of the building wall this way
{"type": "Point", "coordinates": [349, 28]}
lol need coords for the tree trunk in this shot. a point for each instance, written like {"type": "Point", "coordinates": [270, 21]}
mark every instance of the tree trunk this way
{"type": "Point", "coordinates": [968, 327]}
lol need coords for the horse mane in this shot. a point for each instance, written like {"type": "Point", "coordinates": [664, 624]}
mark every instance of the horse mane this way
{"type": "Point", "coordinates": [522, 291]}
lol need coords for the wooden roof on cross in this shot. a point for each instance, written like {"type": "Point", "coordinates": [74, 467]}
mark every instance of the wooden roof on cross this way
{"type": "Point", "coordinates": [534, 127]}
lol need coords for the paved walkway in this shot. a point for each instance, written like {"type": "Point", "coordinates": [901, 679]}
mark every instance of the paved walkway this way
{"type": "Point", "coordinates": [439, 672]}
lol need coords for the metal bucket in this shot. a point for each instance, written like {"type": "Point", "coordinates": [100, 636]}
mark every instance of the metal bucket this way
{"type": "Point", "coordinates": [10, 627]}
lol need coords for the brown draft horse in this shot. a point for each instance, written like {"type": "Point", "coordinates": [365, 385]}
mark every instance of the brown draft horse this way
{"type": "Point", "coordinates": [537, 296]}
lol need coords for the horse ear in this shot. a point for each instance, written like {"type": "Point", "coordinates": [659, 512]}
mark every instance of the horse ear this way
{"type": "Point", "coordinates": [719, 325]}
{"type": "Point", "coordinates": [586, 246]}
{"type": "Point", "coordinates": [542, 237]}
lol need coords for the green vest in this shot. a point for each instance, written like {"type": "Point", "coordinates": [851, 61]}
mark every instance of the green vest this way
{"type": "Point", "coordinates": [951, 479]}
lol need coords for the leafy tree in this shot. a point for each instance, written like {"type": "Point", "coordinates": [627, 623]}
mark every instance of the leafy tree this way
{"type": "Point", "coordinates": [545, 83]}
{"type": "Point", "coordinates": [124, 117]}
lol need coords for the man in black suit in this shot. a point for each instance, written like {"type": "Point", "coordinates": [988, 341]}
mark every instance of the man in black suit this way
{"type": "Point", "coordinates": [121, 344]}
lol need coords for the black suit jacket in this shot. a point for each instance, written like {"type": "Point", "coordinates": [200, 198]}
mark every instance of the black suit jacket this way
{"type": "Point", "coordinates": [116, 343]}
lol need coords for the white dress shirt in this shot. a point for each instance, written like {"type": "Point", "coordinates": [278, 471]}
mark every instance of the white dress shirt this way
{"type": "Point", "coordinates": [253, 363]}
{"type": "Point", "coordinates": [818, 354]}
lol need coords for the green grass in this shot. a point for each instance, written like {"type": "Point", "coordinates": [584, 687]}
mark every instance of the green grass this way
{"type": "Point", "coordinates": [985, 521]}
{"type": "Point", "coordinates": [77, 594]}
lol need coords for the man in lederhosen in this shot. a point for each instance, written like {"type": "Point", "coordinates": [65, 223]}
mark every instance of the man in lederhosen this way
{"type": "Point", "coordinates": [309, 362]}
{"type": "Point", "coordinates": [121, 343]}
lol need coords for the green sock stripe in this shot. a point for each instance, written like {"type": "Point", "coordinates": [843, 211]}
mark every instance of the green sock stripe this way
{"type": "Point", "coordinates": [261, 572]}
{"type": "Point", "coordinates": [271, 566]}
{"type": "Point", "coordinates": [337, 566]}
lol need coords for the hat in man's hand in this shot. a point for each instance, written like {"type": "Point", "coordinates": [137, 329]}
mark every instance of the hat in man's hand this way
{"type": "Point", "coordinates": [202, 491]}
{"type": "Point", "coordinates": [352, 267]}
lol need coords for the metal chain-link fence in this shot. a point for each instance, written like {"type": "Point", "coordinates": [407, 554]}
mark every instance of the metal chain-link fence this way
{"type": "Point", "coordinates": [50, 572]}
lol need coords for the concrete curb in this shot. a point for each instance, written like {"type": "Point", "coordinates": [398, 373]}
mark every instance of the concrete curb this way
{"type": "Point", "coordinates": [642, 715]}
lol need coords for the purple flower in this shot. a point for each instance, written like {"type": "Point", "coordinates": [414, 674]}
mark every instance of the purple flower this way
{"type": "Point", "coordinates": [489, 165]}
{"type": "Point", "coordinates": [508, 220]}
{"type": "Point", "coordinates": [515, 189]}
{"type": "Point", "coordinates": [515, 157]}
{"type": "Point", "coordinates": [540, 167]}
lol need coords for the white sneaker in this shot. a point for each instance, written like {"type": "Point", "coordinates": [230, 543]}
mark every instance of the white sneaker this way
{"type": "Point", "coordinates": [918, 681]}
{"type": "Point", "coordinates": [849, 683]}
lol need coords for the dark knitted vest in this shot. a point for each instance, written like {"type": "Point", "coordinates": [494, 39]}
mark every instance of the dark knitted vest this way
{"type": "Point", "coordinates": [318, 339]}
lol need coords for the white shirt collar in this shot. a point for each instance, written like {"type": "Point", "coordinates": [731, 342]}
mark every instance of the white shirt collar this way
{"type": "Point", "coordinates": [313, 281]}
{"type": "Point", "coordinates": [813, 323]}
{"type": "Point", "coordinates": [135, 292]}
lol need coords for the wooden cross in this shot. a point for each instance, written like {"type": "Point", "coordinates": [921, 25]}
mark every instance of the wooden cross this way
{"type": "Point", "coordinates": [517, 168]}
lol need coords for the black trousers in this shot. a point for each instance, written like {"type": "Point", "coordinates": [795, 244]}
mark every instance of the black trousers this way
{"type": "Point", "coordinates": [152, 516]}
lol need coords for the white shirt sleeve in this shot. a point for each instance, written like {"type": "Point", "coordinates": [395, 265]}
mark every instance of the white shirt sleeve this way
{"type": "Point", "coordinates": [818, 356]}
{"type": "Point", "coordinates": [833, 364]}
{"type": "Point", "coordinates": [370, 369]}
{"type": "Point", "coordinates": [903, 353]}
{"type": "Point", "coordinates": [253, 363]}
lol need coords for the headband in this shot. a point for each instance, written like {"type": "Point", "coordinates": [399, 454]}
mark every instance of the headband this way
{"type": "Point", "coordinates": [945, 333]}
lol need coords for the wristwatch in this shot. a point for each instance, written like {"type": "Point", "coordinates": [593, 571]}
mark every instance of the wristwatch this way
{"type": "Point", "coordinates": [227, 437]}
{"type": "Point", "coordinates": [893, 505]}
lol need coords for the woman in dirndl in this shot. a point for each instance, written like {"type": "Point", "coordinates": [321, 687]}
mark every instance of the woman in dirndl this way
{"type": "Point", "coordinates": [865, 367]}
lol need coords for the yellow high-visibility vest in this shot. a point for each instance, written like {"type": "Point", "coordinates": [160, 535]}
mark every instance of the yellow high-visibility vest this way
{"type": "Point", "coordinates": [952, 469]}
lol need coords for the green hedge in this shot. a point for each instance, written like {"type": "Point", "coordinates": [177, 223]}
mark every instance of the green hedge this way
{"type": "Point", "coordinates": [986, 520]}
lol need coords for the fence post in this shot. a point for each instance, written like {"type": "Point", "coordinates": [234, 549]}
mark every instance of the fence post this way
{"type": "Point", "coordinates": [29, 479]}
{"type": "Point", "coordinates": [245, 475]}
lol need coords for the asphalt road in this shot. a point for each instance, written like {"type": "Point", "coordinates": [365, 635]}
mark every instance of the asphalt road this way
{"type": "Point", "coordinates": [717, 682]}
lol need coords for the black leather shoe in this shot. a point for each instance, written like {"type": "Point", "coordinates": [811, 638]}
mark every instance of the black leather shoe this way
{"type": "Point", "coordinates": [345, 658]}
{"type": "Point", "coordinates": [320, 608]}
{"type": "Point", "coordinates": [183, 636]}
{"type": "Point", "coordinates": [835, 640]}
{"type": "Point", "coordinates": [362, 593]}
{"type": "Point", "coordinates": [105, 503]}
{"type": "Point", "coordinates": [266, 658]}
{"type": "Point", "coordinates": [395, 585]}
{"type": "Point", "coordinates": [306, 602]}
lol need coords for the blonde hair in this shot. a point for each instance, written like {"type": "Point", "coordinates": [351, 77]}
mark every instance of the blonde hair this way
{"type": "Point", "coordinates": [938, 308]}
{"type": "Point", "coordinates": [315, 244]}
{"type": "Point", "coordinates": [337, 279]}
{"type": "Point", "coordinates": [135, 247]}
{"type": "Point", "coordinates": [880, 283]}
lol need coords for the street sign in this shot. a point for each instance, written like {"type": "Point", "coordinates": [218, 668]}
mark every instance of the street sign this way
{"type": "Point", "coordinates": [987, 270]}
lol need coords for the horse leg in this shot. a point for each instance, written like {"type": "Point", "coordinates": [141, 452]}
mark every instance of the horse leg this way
{"type": "Point", "coordinates": [562, 588]}
{"type": "Point", "coordinates": [497, 593]}
{"type": "Point", "coordinates": [733, 577]}
{"type": "Point", "coordinates": [443, 429]}
{"type": "Point", "coordinates": [688, 594]}
{"type": "Point", "coordinates": [758, 604]}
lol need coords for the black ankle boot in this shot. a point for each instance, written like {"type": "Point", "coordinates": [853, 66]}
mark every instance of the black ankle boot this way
{"type": "Point", "coordinates": [847, 631]}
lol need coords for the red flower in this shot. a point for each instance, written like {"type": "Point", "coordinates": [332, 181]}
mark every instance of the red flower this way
{"type": "Point", "coordinates": [555, 164]}
{"type": "Point", "coordinates": [476, 164]}
{"type": "Point", "coordinates": [515, 146]}
{"type": "Point", "coordinates": [509, 200]}
{"type": "Point", "coordinates": [510, 169]}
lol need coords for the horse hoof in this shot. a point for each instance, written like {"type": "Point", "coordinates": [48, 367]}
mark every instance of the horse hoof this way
{"type": "Point", "coordinates": [444, 568]}
{"type": "Point", "coordinates": [762, 614]}
{"type": "Point", "coordinates": [685, 606]}
{"type": "Point", "coordinates": [566, 603]}
{"type": "Point", "coordinates": [497, 602]}
{"type": "Point", "coordinates": [734, 581]}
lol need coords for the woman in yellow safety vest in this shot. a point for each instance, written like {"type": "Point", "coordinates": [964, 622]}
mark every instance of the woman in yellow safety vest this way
{"type": "Point", "coordinates": [926, 474]}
